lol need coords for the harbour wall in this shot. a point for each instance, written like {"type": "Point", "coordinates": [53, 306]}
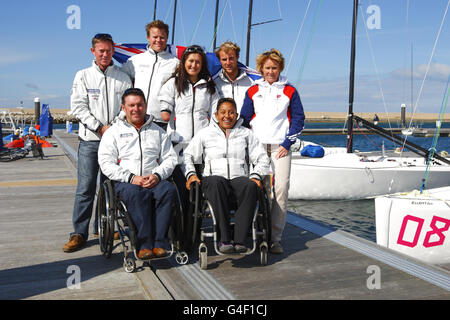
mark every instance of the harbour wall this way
{"type": "Point", "coordinates": [61, 116]}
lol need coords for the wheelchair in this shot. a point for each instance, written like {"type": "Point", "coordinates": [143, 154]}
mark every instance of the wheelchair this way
{"type": "Point", "coordinates": [204, 225]}
{"type": "Point", "coordinates": [113, 217]}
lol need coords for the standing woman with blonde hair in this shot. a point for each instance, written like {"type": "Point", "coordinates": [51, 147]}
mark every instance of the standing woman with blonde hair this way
{"type": "Point", "coordinates": [273, 110]}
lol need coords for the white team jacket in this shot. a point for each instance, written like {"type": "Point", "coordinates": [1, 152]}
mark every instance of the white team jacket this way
{"type": "Point", "coordinates": [235, 90]}
{"type": "Point", "coordinates": [95, 98]}
{"type": "Point", "coordinates": [149, 71]}
{"type": "Point", "coordinates": [227, 156]}
{"type": "Point", "coordinates": [125, 151]}
{"type": "Point", "coordinates": [190, 112]}
{"type": "Point", "coordinates": [274, 112]}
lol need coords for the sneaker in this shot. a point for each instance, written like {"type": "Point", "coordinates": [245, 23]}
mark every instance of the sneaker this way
{"type": "Point", "coordinates": [75, 243]}
{"type": "Point", "coordinates": [240, 248]}
{"type": "Point", "coordinates": [226, 247]}
{"type": "Point", "coordinates": [276, 248]}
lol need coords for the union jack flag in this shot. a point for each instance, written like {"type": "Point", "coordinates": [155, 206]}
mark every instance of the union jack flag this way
{"type": "Point", "coordinates": [123, 51]}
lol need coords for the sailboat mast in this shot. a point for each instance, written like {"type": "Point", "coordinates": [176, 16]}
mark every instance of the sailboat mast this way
{"type": "Point", "coordinates": [154, 10]}
{"type": "Point", "coordinates": [412, 83]}
{"type": "Point", "coordinates": [215, 25]}
{"type": "Point", "coordinates": [352, 80]}
{"type": "Point", "coordinates": [173, 23]}
{"type": "Point", "coordinates": [249, 26]}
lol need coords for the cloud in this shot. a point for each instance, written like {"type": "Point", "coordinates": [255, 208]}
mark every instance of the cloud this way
{"type": "Point", "coordinates": [332, 94]}
{"type": "Point", "coordinates": [437, 71]}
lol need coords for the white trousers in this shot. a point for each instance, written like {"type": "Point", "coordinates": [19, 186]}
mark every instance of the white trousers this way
{"type": "Point", "coordinates": [281, 169]}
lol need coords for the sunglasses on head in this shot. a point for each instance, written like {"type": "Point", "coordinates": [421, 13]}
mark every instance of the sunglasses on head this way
{"type": "Point", "coordinates": [268, 53]}
{"type": "Point", "coordinates": [103, 36]}
{"type": "Point", "coordinates": [194, 49]}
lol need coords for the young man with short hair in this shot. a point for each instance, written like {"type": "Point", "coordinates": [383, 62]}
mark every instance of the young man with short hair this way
{"type": "Point", "coordinates": [231, 82]}
{"type": "Point", "coordinates": [151, 69]}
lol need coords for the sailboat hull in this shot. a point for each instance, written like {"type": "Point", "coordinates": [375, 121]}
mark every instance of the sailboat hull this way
{"type": "Point", "coordinates": [352, 176]}
{"type": "Point", "coordinates": [416, 224]}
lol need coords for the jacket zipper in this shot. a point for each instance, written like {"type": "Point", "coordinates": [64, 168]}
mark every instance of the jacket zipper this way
{"type": "Point", "coordinates": [226, 155]}
{"type": "Point", "coordinates": [140, 148]}
{"type": "Point", "coordinates": [151, 77]}
{"type": "Point", "coordinates": [192, 113]}
{"type": "Point", "coordinates": [232, 89]}
{"type": "Point", "coordinates": [107, 100]}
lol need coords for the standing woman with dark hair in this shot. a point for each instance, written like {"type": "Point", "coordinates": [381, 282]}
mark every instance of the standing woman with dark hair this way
{"type": "Point", "coordinates": [189, 96]}
{"type": "Point", "coordinates": [187, 101]}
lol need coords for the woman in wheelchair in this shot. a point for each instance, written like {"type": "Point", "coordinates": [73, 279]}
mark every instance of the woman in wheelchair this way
{"type": "Point", "coordinates": [227, 149]}
{"type": "Point", "coordinates": [186, 100]}
{"type": "Point", "coordinates": [138, 156]}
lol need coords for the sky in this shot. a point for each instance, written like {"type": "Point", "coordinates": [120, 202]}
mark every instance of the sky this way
{"type": "Point", "coordinates": [44, 43]}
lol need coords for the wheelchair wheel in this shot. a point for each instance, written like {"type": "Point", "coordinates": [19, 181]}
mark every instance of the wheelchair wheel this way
{"type": "Point", "coordinates": [181, 258]}
{"type": "Point", "coordinates": [264, 222]}
{"type": "Point", "coordinates": [129, 265]}
{"type": "Point", "coordinates": [192, 220]}
{"type": "Point", "coordinates": [203, 256]}
{"type": "Point", "coordinates": [263, 253]}
{"type": "Point", "coordinates": [106, 214]}
{"type": "Point", "coordinates": [176, 229]}
{"type": "Point", "coordinates": [125, 224]}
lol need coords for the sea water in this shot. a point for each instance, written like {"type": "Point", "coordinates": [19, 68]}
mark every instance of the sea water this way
{"type": "Point", "coordinates": [355, 216]}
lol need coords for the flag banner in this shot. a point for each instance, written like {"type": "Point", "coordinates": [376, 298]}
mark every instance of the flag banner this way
{"type": "Point", "coordinates": [123, 51]}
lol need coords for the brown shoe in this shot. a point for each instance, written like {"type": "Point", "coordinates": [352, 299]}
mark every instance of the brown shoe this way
{"type": "Point", "coordinates": [145, 254]}
{"type": "Point", "coordinates": [75, 243]}
{"type": "Point", "coordinates": [159, 252]}
{"type": "Point", "coordinates": [116, 235]}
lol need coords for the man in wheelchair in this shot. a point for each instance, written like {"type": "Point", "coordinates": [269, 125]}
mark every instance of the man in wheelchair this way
{"type": "Point", "coordinates": [235, 164]}
{"type": "Point", "coordinates": [138, 156]}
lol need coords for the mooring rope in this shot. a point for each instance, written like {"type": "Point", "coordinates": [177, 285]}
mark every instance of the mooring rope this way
{"type": "Point", "coordinates": [436, 135]}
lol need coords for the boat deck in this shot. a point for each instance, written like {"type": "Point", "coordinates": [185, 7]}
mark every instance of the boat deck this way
{"type": "Point", "coordinates": [417, 132]}
{"type": "Point", "coordinates": [318, 263]}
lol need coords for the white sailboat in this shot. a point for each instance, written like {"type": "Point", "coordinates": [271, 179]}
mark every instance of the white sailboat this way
{"type": "Point", "coordinates": [348, 175]}
{"type": "Point", "coordinates": [357, 176]}
{"type": "Point", "coordinates": [416, 224]}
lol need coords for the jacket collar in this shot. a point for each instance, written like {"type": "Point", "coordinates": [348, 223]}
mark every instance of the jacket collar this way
{"type": "Point", "coordinates": [159, 54]}
{"type": "Point", "coordinates": [241, 74]}
{"type": "Point", "coordinates": [282, 81]}
{"type": "Point", "coordinates": [95, 65]}
{"type": "Point", "coordinates": [199, 82]}
{"type": "Point", "coordinates": [148, 120]}
{"type": "Point", "coordinates": [215, 124]}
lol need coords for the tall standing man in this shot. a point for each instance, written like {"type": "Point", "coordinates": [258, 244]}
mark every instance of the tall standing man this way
{"type": "Point", "coordinates": [231, 82]}
{"type": "Point", "coordinates": [95, 101]}
{"type": "Point", "coordinates": [151, 69]}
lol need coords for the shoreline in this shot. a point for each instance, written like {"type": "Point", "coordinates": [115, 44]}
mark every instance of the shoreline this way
{"type": "Point", "coordinates": [61, 116]}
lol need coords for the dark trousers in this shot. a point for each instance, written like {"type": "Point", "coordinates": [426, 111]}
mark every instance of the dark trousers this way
{"type": "Point", "coordinates": [219, 191]}
{"type": "Point", "coordinates": [150, 210]}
